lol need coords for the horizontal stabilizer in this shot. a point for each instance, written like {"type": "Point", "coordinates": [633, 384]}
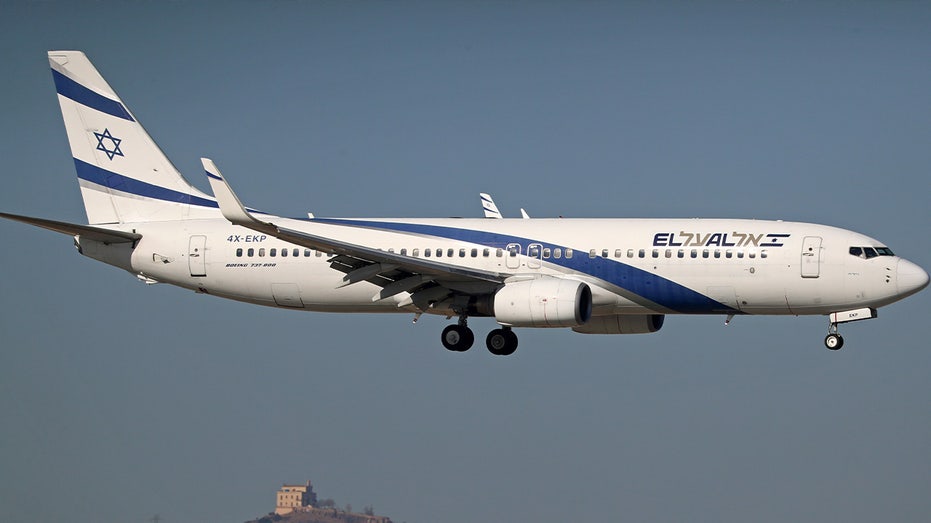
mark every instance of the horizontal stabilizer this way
{"type": "Point", "coordinates": [85, 231]}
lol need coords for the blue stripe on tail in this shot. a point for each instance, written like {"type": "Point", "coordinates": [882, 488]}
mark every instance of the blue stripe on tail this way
{"type": "Point", "coordinates": [84, 96]}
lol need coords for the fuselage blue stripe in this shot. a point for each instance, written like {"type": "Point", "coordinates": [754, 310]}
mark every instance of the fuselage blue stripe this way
{"type": "Point", "coordinates": [650, 286]}
{"type": "Point", "coordinates": [118, 182]}
{"type": "Point", "coordinates": [84, 96]}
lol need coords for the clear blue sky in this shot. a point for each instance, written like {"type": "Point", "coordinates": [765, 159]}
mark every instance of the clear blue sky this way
{"type": "Point", "coordinates": [119, 401]}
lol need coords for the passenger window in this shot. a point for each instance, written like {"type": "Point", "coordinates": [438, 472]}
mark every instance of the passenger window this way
{"type": "Point", "coordinates": [669, 253]}
{"type": "Point", "coordinates": [499, 253]}
{"type": "Point", "coordinates": [250, 252]}
{"type": "Point", "coordinates": [318, 253]}
{"type": "Point", "coordinates": [751, 254]}
{"type": "Point", "coordinates": [642, 253]}
{"type": "Point", "coordinates": [415, 253]}
{"type": "Point", "coordinates": [717, 253]}
{"type": "Point", "coordinates": [426, 253]}
{"type": "Point", "coordinates": [656, 253]}
{"type": "Point", "coordinates": [546, 253]}
{"type": "Point", "coordinates": [273, 252]}
{"type": "Point", "coordinates": [403, 252]}
{"type": "Point", "coordinates": [630, 253]}
{"type": "Point", "coordinates": [604, 253]}
{"type": "Point", "coordinates": [439, 253]}
{"type": "Point", "coordinates": [740, 253]}
{"type": "Point", "coordinates": [512, 250]}
{"type": "Point", "coordinates": [694, 253]}
{"type": "Point", "coordinates": [557, 253]}
{"type": "Point", "coordinates": [262, 252]}
{"type": "Point", "coordinates": [449, 253]}
{"type": "Point", "coordinates": [533, 251]}
{"type": "Point", "coordinates": [391, 250]}
{"type": "Point", "coordinates": [592, 253]}
{"type": "Point", "coordinates": [296, 253]}
{"type": "Point", "coordinates": [728, 253]}
{"type": "Point", "coordinates": [705, 253]}
{"type": "Point", "coordinates": [486, 252]}
{"type": "Point", "coordinates": [307, 253]}
{"type": "Point", "coordinates": [617, 253]}
{"type": "Point", "coordinates": [764, 254]}
{"type": "Point", "coordinates": [239, 252]}
{"type": "Point", "coordinates": [462, 253]}
{"type": "Point", "coordinates": [568, 253]}
{"type": "Point", "coordinates": [284, 253]}
{"type": "Point", "coordinates": [475, 253]}
{"type": "Point", "coordinates": [680, 253]}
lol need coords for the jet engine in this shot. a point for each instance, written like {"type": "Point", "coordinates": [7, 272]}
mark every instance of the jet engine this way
{"type": "Point", "coordinates": [543, 302]}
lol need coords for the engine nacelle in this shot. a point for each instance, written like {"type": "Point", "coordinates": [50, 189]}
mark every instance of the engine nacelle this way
{"type": "Point", "coordinates": [543, 302]}
{"type": "Point", "coordinates": [623, 324]}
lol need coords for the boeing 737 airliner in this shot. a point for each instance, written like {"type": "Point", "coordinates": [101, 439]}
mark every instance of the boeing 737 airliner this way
{"type": "Point", "coordinates": [594, 276]}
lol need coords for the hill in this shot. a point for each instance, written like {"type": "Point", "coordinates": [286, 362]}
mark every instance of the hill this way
{"type": "Point", "coordinates": [321, 515]}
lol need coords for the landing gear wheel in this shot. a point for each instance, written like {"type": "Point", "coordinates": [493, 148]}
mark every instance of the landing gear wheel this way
{"type": "Point", "coordinates": [457, 338]}
{"type": "Point", "coordinates": [834, 341]}
{"type": "Point", "coordinates": [501, 342]}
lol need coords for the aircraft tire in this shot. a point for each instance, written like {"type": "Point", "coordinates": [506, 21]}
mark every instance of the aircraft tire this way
{"type": "Point", "coordinates": [457, 338]}
{"type": "Point", "coordinates": [501, 342]}
{"type": "Point", "coordinates": [834, 341]}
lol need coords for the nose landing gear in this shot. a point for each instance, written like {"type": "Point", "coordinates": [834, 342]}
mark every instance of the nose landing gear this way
{"type": "Point", "coordinates": [834, 340]}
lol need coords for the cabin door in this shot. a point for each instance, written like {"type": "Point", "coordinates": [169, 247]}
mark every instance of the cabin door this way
{"type": "Point", "coordinates": [197, 262]}
{"type": "Point", "coordinates": [811, 257]}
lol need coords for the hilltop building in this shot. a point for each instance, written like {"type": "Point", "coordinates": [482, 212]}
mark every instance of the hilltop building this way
{"type": "Point", "coordinates": [295, 497]}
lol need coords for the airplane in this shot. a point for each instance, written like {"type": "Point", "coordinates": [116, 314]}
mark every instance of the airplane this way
{"type": "Point", "coordinates": [491, 210]}
{"type": "Point", "coordinates": [594, 276]}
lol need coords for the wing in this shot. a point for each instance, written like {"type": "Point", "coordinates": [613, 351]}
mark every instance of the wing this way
{"type": "Point", "coordinates": [428, 281]}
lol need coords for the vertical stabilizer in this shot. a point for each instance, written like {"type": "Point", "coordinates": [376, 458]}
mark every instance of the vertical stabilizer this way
{"type": "Point", "coordinates": [123, 175]}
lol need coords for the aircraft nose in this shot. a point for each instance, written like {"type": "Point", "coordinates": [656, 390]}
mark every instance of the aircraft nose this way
{"type": "Point", "coordinates": [910, 278]}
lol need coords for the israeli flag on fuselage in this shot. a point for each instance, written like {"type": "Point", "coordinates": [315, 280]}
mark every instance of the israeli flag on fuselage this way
{"type": "Point", "coordinates": [123, 175]}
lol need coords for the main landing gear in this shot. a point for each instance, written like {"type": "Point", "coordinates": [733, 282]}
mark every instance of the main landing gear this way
{"type": "Point", "coordinates": [459, 338]}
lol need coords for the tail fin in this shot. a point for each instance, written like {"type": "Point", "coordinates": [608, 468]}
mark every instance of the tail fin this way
{"type": "Point", "coordinates": [124, 176]}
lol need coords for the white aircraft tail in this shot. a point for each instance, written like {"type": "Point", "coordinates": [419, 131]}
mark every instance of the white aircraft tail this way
{"type": "Point", "coordinates": [123, 175]}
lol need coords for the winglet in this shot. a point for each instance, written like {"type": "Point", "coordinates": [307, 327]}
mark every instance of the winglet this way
{"type": "Point", "coordinates": [491, 210]}
{"type": "Point", "coordinates": [232, 209]}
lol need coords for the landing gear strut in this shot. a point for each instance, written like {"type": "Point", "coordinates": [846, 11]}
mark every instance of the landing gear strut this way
{"type": "Point", "coordinates": [458, 338]}
{"type": "Point", "coordinates": [501, 342]}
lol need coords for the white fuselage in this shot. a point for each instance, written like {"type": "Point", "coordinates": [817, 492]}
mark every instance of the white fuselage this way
{"type": "Point", "coordinates": [633, 266]}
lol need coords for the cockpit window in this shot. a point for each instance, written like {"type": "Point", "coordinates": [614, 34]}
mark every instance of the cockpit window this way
{"type": "Point", "coordinates": [870, 252]}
